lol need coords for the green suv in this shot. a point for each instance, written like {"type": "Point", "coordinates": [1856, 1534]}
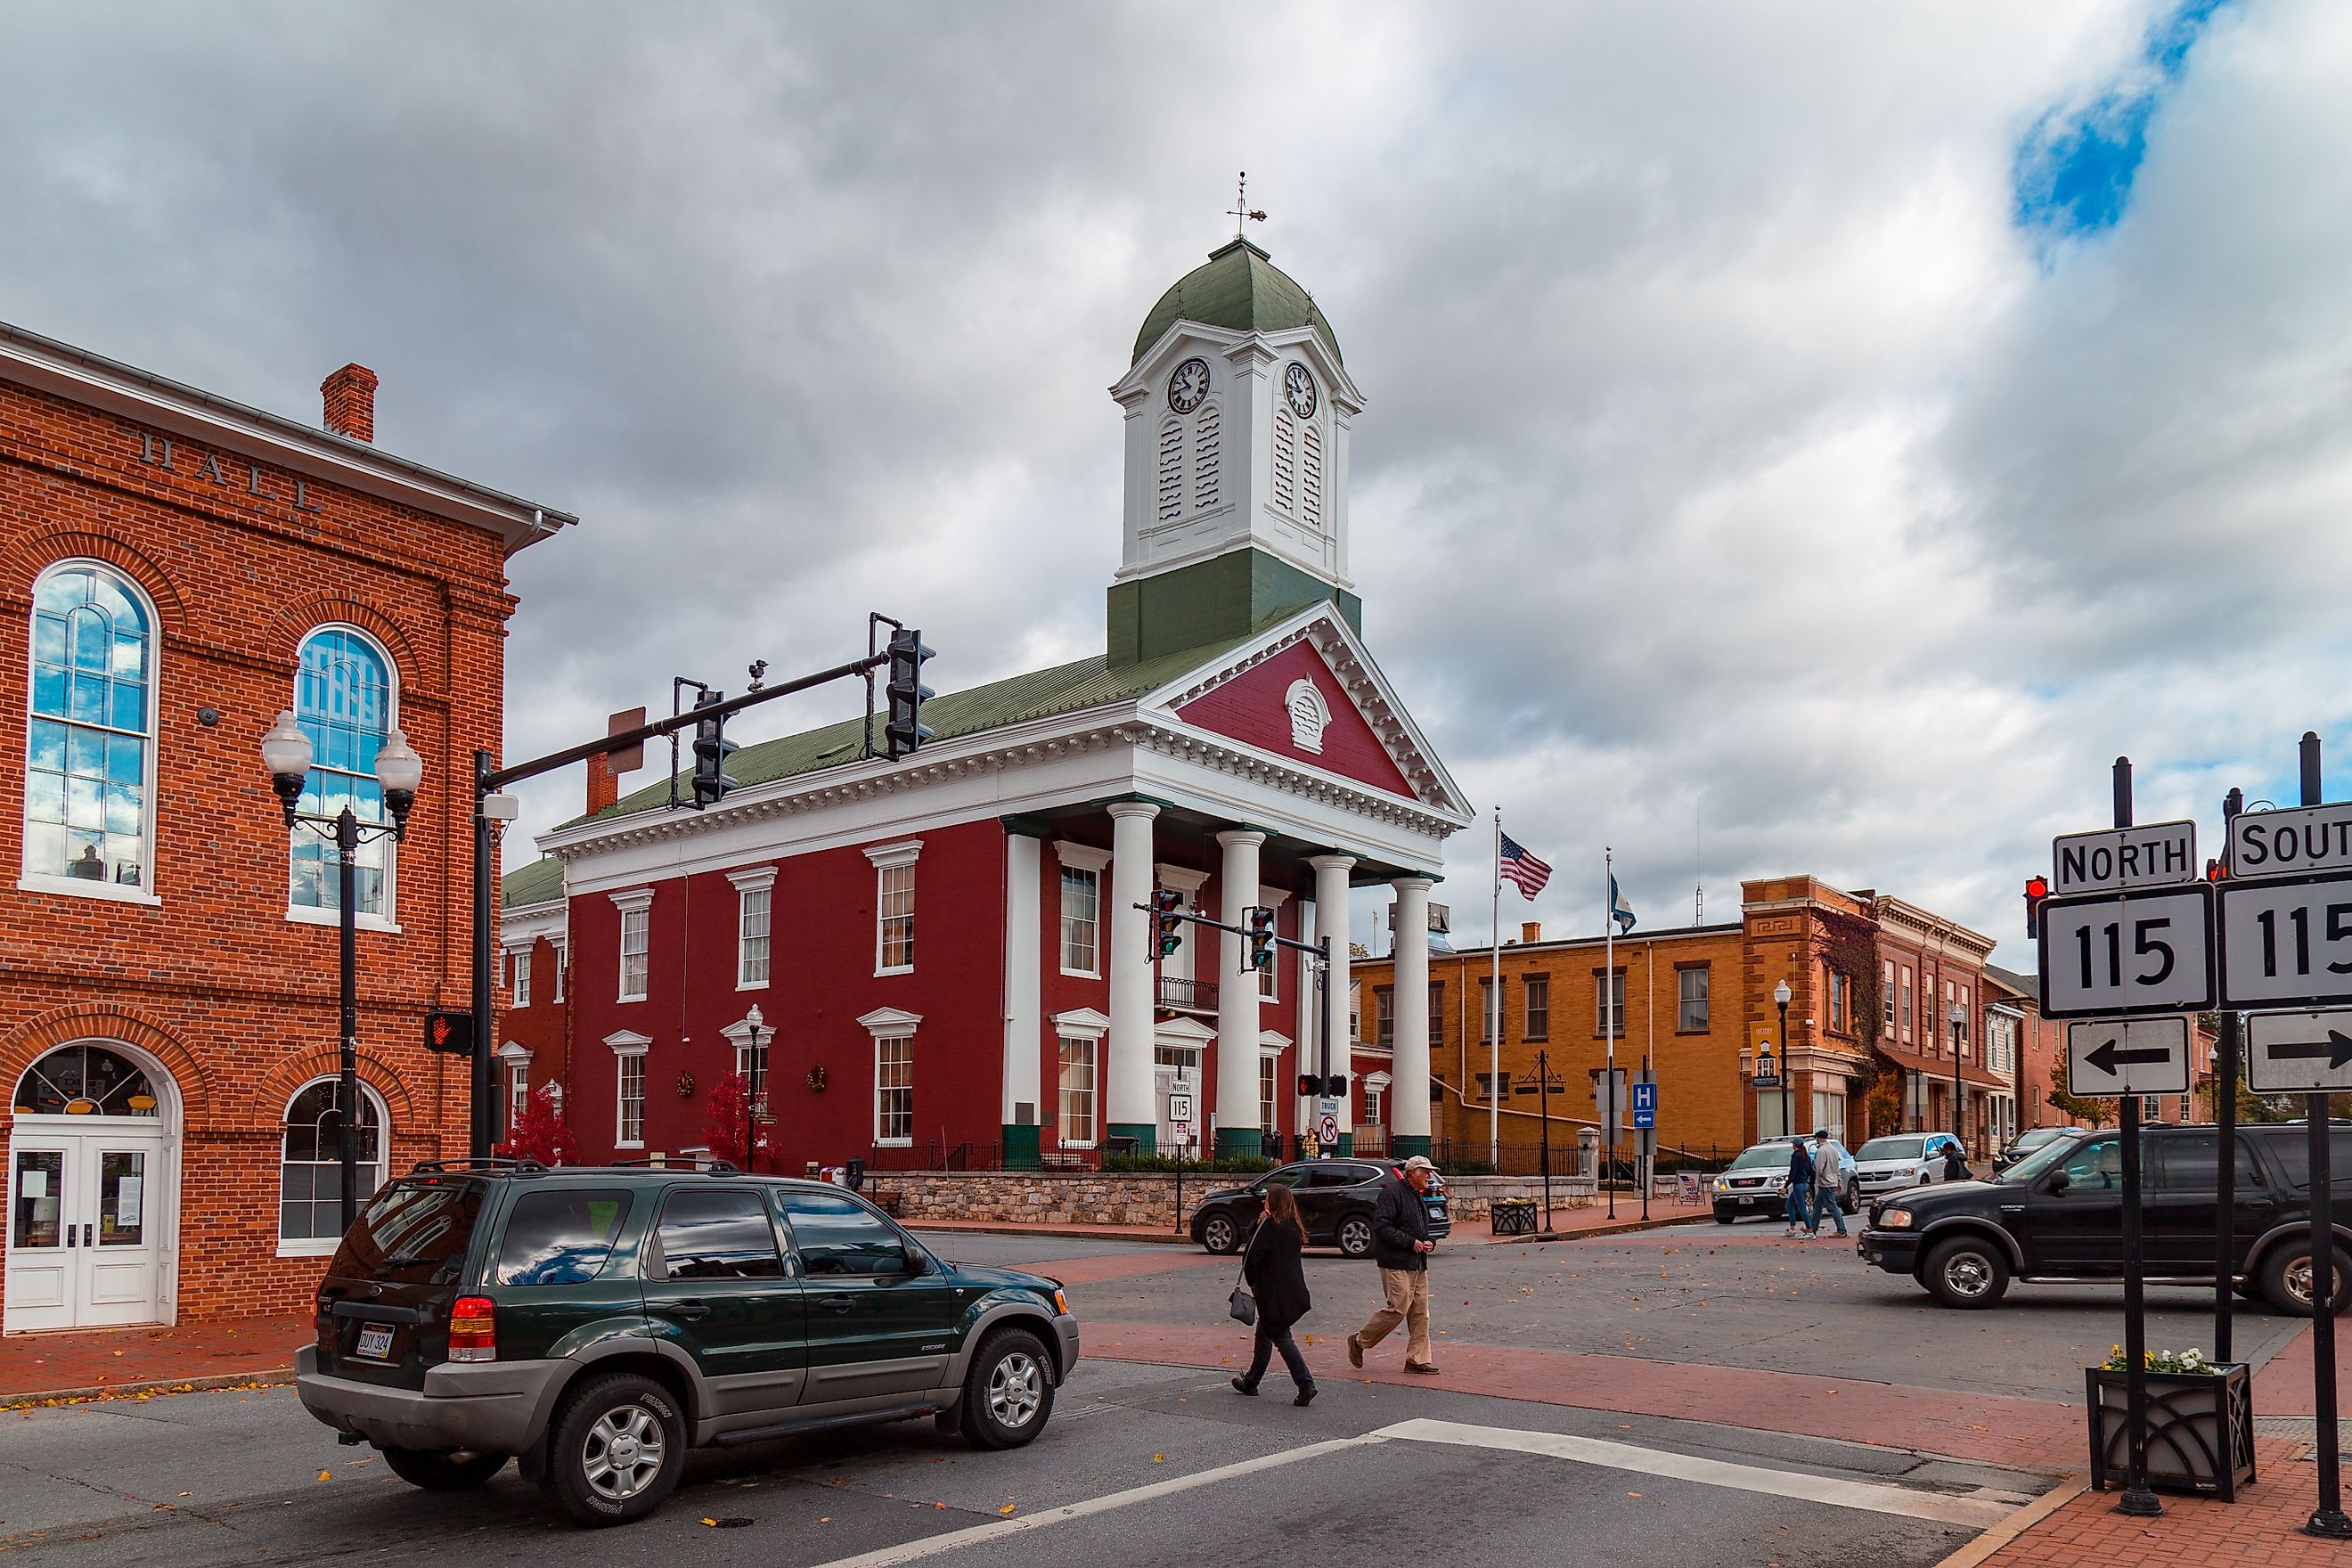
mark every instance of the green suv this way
{"type": "Point", "coordinates": [595, 1323]}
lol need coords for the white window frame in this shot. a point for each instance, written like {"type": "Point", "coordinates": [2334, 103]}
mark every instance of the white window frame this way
{"type": "Point", "coordinates": [887, 858]}
{"type": "Point", "coordinates": [519, 976]}
{"type": "Point", "coordinates": [628, 1047]}
{"type": "Point", "coordinates": [562, 963]}
{"type": "Point", "coordinates": [753, 1063]}
{"type": "Point", "coordinates": [1080, 862]}
{"type": "Point", "coordinates": [325, 1245]}
{"type": "Point", "coordinates": [304, 914]}
{"type": "Point", "coordinates": [515, 1062]}
{"type": "Point", "coordinates": [1081, 1026]}
{"type": "Point", "coordinates": [1376, 1099]}
{"type": "Point", "coordinates": [892, 1023]}
{"type": "Point", "coordinates": [1705, 999]}
{"type": "Point", "coordinates": [143, 892]}
{"type": "Point", "coordinates": [749, 886]}
{"type": "Point", "coordinates": [636, 905]}
{"type": "Point", "coordinates": [1270, 1047]}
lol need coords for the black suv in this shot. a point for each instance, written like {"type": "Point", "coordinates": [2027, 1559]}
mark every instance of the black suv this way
{"type": "Point", "coordinates": [2057, 1214]}
{"type": "Point", "coordinates": [595, 1323]}
{"type": "Point", "coordinates": [1335, 1199]}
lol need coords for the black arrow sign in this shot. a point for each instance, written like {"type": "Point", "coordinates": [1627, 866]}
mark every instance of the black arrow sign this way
{"type": "Point", "coordinates": [2107, 1059]}
{"type": "Point", "coordinates": [2336, 1048]}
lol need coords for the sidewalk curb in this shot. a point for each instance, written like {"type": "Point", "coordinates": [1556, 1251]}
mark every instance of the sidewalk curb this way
{"type": "Point", "coordinates": [1611, 1227]}
{"type": "Point", "coordinates": [2018, 1524]}
{"type": "Point", "coordinates": [1058, 1232]}
{"type": "Point", "coordinates": [261, 1377]}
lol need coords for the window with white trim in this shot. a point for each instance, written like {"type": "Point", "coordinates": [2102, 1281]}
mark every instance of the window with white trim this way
{"type": "Point", "coordinates": [346, 700]}
{"type": "Point", "coordinates": [89, 783]}
{"type": "Point", "coordinates": [518, 1089]}
{"type": "Point", "coordinates": [752, 1062]}
{"type": "Point", "coordinates": [894, 914]}
{"type": "Point", "coordinates": [751, 938]}
{"type": "Point", "coordinates": [1081, 921]}
{"type": "Point", "coordinates": [894, 1089]}
{"type": "Point", "coordinates": [1075, 1086]}
{"type": "Point", "coordinates": [629, 1132]}
{"type": "Point", "coordinates": [520, 960]}
{"type": "Point", "coordinates": [1269, 1069]}
{"type": "Point", "coordinates": [1376, 1100]}
{"type": "Point", "coordinates": [563, 961]}
{"type": "Point", "coordinates": [636, 942]}
{"type": "Point", "coordinates": [311, 1166]}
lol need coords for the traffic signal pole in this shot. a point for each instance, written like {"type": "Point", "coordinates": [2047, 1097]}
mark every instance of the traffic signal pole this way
{"type": "Point", "coordinates": [2328, 1520]}
{"type": "Point", "coordinates": [489, 780]}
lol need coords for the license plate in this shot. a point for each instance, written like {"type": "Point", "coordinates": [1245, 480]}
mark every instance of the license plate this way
{"type": "Point", "coordinates": [375, 1342]}
{"type": "Point", "coordinates": [1747, 1200]}
{"type": "Point", "coordinates": [1437, 1211]}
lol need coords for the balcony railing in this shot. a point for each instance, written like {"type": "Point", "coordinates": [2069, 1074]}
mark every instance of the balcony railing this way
{"type": "Point", "coordinates": [1188, 995]}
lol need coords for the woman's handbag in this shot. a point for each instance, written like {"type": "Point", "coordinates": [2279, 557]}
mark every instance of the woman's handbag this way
{"type": "Point", "coordinates": [1241, 1303]}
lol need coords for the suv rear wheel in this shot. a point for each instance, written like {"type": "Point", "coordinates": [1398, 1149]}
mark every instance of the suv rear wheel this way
{"type": "Point", "coordinates": [1008, 1395]}
{"type": "Point", "coordinates": [616, 1449]}
{"type": "Point", "coordinates": [1966, 1271]}
{"type": "Point", "coordinates": [2288, 1283]}
{"type": "Point", "coordinates": [1219, 1234]}
{"type": "Point", "coordinates": [1356, 1235]}
{"type": "Point", "coordinates": [443, 1472]}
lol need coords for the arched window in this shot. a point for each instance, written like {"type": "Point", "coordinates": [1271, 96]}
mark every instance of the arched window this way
{"type": "Point", "coordinates": [84, 1079]}
{"type": "Point", "coordinates": [311, 1170]}
{"type": "Point", "coordinates": [88, 789]}
{"type": "Point", "coordinates": [346, 700]}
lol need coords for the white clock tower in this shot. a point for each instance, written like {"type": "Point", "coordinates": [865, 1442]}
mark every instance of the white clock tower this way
{"type": "Point", "coordinates": [1237, 409]}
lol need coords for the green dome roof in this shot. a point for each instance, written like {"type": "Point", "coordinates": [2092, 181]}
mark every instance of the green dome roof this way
{"type": "Point", "coordinates": [1238, 286]}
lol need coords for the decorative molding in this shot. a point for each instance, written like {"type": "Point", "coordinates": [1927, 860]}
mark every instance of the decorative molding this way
{"type": "Point", "coordinates": [903, 853]}
{"type": "Point", "coordinates": [1272, 1042]}
{"type": "Point", "coordinates": [758, 879]}
{"type": "Point", "coordinates": [1309, 715]}
{"type": "Point", "coordinates": [1080, 856]}
{"type": "Point", "coordinates": [739, 1033]}
{"type": "Point", "coordinates": [628, 1042]}
{"type": "Point", "coordinates": [1085, 1022]}
{"type": "Point", "coordinates": [633, 900]}
{"type": "Point", "coordinates": [511, 1052]}
{"type": "Point", "coordinates": [1182, 878]}
{"type": "Point", "coordinates": [890, 1021]}
{"type": "Point", "coordinates": [1190, 1031]}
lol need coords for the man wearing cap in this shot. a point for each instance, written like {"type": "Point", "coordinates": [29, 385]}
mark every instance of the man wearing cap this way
{"type": "Point", "coordinates": [1400, 1246]}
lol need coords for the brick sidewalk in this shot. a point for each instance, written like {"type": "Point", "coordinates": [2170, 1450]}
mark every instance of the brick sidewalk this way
{"type": "Point", "coordinates": [2260, 1530]}
{"type": "Point", "coordinates": [90, 1363]}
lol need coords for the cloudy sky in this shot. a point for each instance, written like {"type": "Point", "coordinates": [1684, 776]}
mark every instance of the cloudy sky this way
{"type": "Point", "coordinates": [1803, 438]}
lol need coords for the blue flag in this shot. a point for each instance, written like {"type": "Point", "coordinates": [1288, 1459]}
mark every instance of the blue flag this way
{"type": "Point", "coordinates": [1618, 910]}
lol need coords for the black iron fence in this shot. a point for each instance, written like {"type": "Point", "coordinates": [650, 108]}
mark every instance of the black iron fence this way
{"type": "Point", "coordinates": [1472, 1157]}
{"type": "Point", "coordinates": [1188, 995]}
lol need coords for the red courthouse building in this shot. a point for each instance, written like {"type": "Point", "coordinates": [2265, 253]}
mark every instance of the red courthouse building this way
{"type": "Point", "coordinates": [176, 570]}
{"type": "Point", "coordinates": [942, 960]}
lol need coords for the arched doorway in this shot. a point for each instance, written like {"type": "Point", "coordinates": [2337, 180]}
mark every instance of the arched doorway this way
{"type": "Point", "coordinates": [93, 1180]}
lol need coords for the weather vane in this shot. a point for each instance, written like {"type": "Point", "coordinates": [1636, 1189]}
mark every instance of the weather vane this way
{"type": "Point", "coordinates": [1241, 211]}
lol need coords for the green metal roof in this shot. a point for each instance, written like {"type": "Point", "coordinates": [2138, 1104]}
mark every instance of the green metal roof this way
{"type": "Point", "coordinates": [540, 882]}
{"type": "Point", "coordinates": [1238, 286]}
{"type": "Point", "coordinates": [1064, 689]}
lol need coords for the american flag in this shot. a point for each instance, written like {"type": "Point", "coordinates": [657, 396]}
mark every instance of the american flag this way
{"type": "Point", "coordinates": [1524, 869]}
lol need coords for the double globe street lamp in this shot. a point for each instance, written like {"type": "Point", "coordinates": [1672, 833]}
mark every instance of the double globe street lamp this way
{"type": "Point", "coordinates": [286, 754]}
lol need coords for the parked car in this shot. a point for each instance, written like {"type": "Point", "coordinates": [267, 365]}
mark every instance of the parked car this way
{"type": "Point", "coordinates": [2027, 1142]}
{"type": "Point", "coordinates": [2058, 1214]}
{"type": "Point", "coordinates": [595, 1323]}
{"type": "Point", "coordinates": [1757, 1182]}
{"type": "Point", "coordinates": [1335, 1199]}
{"type": "Point", "coordinates": [1901, 1160]}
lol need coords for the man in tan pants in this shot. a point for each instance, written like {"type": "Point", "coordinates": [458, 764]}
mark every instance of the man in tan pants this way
{"type": "Point", "coordinates": [1402, 1247]}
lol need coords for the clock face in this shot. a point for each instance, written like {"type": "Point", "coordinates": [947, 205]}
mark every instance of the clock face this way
{"type": "Point", "coordinates": [1188, 385]}
{"type": "Point", "coordinates": [1300, 386]}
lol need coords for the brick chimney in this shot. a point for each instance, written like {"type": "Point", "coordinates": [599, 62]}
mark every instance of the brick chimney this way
{"type": "Point", "coordinates": [604, 784]}
{"type": "Point", "coordinates": [351, 402]}
{"type": "Point", "coordinates": [1530, 931]}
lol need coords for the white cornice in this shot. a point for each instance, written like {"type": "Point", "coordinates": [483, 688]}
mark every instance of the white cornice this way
{"type": "Point", "coordinates": [890, 1021]}
{"type": "Point", "coordinates": [756, 879]}
{"type": "Point", "coordinates": [1083, 1021]}
{"type": "Point", "coordinates": [1080, 856]}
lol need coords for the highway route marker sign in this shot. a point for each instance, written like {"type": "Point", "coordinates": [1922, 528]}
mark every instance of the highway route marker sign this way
{"type": "Point", "coordinates": [2286, 942]}
{"type": "Point", "coordinates": [2161, 855]}
{"type": "Point", "coordinates": [1180, 1106]}
{"type": "Point", "coordinates": [2299, 1053]}
{"type": "Point", "coordinates": [2128, 953]}
{"type": "Point", "coordinates": [2128, 1055]}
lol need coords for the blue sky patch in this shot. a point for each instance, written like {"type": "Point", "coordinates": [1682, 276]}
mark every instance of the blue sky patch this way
{"type": "Point", "coordinates": [2074, 167]}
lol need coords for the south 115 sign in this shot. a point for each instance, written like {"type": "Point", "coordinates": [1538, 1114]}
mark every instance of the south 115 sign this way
{"type": "Point", "coordinates": [2111, 956]}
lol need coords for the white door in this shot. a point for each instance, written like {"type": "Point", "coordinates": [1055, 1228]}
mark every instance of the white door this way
{"type": "Point", "coordinates": [85, 1232]}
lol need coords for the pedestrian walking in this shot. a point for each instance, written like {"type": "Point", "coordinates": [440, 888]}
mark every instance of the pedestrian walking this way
{"type": "Point", "coordinates": [1796, 1201]}
{"type": "Point", "coordinates": [1955, 1163]}
{"type": "Point", "coordinates": [1279, 1279]}
{"type": "Point", "coordinates": [1400, 1246]}
{"type": "Point", "coordinates": [1829, 1165]}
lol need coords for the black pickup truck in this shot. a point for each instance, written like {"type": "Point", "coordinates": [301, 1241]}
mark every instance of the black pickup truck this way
{"type": "Point", "coordinates": [2057, 1215]}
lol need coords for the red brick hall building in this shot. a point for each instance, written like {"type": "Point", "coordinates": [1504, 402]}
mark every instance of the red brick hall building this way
{"type": "Point", "coordinates": [948, 949]}
{"type": "Point", "coordinates": [176, 570]}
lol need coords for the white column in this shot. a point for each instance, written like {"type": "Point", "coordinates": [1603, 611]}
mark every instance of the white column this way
{"type": "Point", "coordinates": [1024, 1005]}
{"type": "Point", "coordinates": [1409, 1094]}
{"type": "Point", "coordinates": [1237, 1004]}
{"type": "Point", "coordinates": [1331, 921]}
{"type": "Point", "coordinates": [1127, 1078]}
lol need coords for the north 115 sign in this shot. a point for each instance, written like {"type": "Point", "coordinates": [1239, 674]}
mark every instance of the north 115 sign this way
{"type": "Point", "coordinates": [2112, 955]}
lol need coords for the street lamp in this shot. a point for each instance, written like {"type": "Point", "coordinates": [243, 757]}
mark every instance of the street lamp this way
{"type": "Point", "coordinates": [1959, 1017]}
{"type": "Point", "coordinates": [755, 1079]}
{"type": "Point", "coordinates": [286, 754]}
{"type": "Point", "coordinates": [1780, 994]}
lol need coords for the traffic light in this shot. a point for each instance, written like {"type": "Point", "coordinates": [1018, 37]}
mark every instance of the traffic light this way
{"type": "Point", "coordinates": [1260, 921]}
{"type": "Point", "coordinates": [711, 748]}
{"type": "Point", "coordinates": [449, 1032]}
{"type": "Point", "coordinates": [904, 731]}
{"type": "Point", "coordinates": [2036, 889]}
{"type": "Point", "coordinates": [1311, 1084]}
{"type": "Point", "coordinates": [1335, 1085]}
{"type": "Point", "coordinates": [1167, 924]}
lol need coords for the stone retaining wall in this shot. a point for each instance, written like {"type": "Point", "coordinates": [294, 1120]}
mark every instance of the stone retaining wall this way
{"type": "Point", "coordinates": [1093, 1197]}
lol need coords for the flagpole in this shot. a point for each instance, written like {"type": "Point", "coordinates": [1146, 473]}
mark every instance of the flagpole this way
{"type": "Point", "coordinates": [1493, 1007]}
{"type": "Point", "coordinates": [1609, 1008]}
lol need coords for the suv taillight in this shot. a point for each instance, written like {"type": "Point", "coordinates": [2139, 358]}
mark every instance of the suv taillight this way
{"type": "Point", "coordinates": [474, 1328]}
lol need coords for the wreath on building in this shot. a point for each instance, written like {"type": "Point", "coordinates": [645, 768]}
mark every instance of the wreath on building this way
{"type": "Point", "coordinates": [817, 1079]}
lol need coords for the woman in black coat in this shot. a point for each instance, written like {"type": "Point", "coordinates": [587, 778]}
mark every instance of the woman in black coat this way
{"type": "Point", "coordinates": [1277, 1277]}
